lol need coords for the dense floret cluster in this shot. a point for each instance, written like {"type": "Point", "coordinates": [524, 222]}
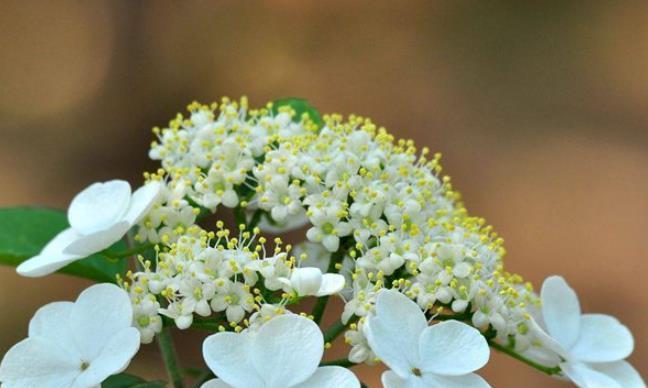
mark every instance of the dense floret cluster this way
{"type": "Point", "coordinates": [372, 201]}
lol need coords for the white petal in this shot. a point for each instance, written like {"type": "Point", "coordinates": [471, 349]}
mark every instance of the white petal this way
{"type": "Point", "coordinates": [585, 377]}
{"type": "Point", "coordinates": [99, 206]}
{"type": "Point", "coordinates": [331, 377]}
{"type": "Point", "coordinates": [142, 201]}
{"type": "Point", "coordinates": [51, 322]}
{"type": "Point", "coordinates": [560, 310]}
{"type": "Point", "coordinates": [602, 339]}
{"type": "Point", "coordinates": [622, 372]}
{"type": "Point", "coordinates": [95, 242]}
{"type": "Point", "coordinates": [215, 383]}
{"type": "Point", "coordinates": [394, 332]}
{"type": "Point", "coordinates": [228, 356]}
{"type": "Point", "coordinates": [452, 348]}
{"type": "Point", "coordinates": [38, 362]}
{"type": "Point", "coordinates": [551, 350]}
{"type": "Point", "coordinates": [331, 242]}
{"type": "Point", "coordinates": [390, 379]}
{"type": "Point", "coordinates": [470, 380]}
{"type": "Point", "coordinates": [287, 350]}
{"type": "Point", "coordinates": [100, 312]}
{"type": "Point", "coordinates": [114, 358]}
{"type": "Point", "coordinates": [332, 283]}
{"type": "Point", "coordinates": [52, 257]}
{"type": "Point", "coordinates": [306, 281]}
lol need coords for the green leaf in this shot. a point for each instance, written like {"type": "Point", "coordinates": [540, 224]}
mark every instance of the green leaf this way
{"type": "Point", "coordinates": [124, 380]}
{"type": "Point", "coordinates": [300, 106]}
{"type": "Point", "coordinates": [24, 231]}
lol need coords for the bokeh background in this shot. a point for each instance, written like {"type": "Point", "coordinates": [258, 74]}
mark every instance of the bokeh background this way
{"type": "Point", "coordinates": [540, 109]}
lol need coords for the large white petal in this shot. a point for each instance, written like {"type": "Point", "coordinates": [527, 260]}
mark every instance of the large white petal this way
{"type": "Point", "coordinates": [215, 383]}
{"type": "Point", "coordinates": [452, 348]}
{"type": "Point", "coordinates": [560, 310]}
{"type": "Point", "coordinates": [331, 377]}
{"type": "Point", "coordinates": [622, 372]}
{"type": "Point", "coordinates": [390, 379]}
{"type": "Point", "coordinates": [51, 321]}
{"type": "Point", "coordinates": [287, 350]}
{"type": "Point", "coordinates": [394, 332]}
{"type": "Point", "coordinates": [602, 339]}
{"type": "Point", "coordinates": [332, 283]}
{"type": "Point", "coordinates": [99, 206]}
{"type": "Point", "coordinates": [100, 312]}
{"type": "Point", "coordinates": [38, 362]}
{"type": "Point", "coordinates": [470, 380]}
{"type": "Point", "coordinates": [52, 257]}
{"type": "Point", "coordinates": [228, 356]}
{"type": "Point", "coordinates": [114, 358]}
{"type": "Point", "coordinates": [586, 377]}
{"type": "Point", "coordinates": [142, 201]}
{"type": "Point", "coordinates": [95, 242]}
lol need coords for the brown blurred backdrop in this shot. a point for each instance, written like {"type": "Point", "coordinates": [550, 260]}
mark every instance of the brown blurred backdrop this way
{"type": "Point", "coordinates": [540, 110]}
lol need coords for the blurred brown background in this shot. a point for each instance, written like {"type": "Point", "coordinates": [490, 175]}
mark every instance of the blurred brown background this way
{"type": "Point", "coordinates": [540, 111]}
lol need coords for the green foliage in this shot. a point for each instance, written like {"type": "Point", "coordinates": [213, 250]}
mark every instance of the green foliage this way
{"type": "Point", "coordinates": [24, 231]}
{"type": "Point", "coordinates": [300, 106]}
{"type": "Point", "coordinates": [124, 380]}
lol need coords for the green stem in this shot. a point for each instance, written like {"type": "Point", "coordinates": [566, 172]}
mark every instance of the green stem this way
{"type": "Point", "coordinates": [256, 217]}
{"type": "Point", "coordinates": [207, 324]}
{"type": "Point", "coordinates": [170, 357]}
{"type": "Point", "coordinates": [504, 349]}
{"type": "Point", "coordinates": [239, 216]}
{"type": "Point", "coordinates": [322, 301]}
{"type": "Point", "coordinates": [343, 362]}
{"type": "Point", "coordinates": [338, 328]}
{"type": "Point", "coordinates": [203, 378]}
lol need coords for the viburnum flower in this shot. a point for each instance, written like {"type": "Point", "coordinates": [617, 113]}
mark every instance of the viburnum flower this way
{"type": "Point", "coordinates": [590, 348]}
{"type": "Point", "coordinates": [309, 281]}
{"type": "Point", "coordinates": [99, 216]}
{"type": "Point", "coordinates": [74, 344]}
{"type": "Point", "coordinates": [284, 353]}
{"type": "Point", "coordinates": [441, 355]}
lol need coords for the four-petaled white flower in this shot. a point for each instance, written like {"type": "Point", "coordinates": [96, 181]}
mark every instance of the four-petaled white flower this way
{"type": "Point", "coordinates": [309, 281]}
{"type": "Point", "coordinates": [99, 216]}
{"type": "Point", "coordinates": [284, 353]}
{"type": "Point", "coordinates": [590, 348]}
{"type": "Point", "coordinates": [441, 355]}
{"type": "Point", "coordinates": [74, 344]}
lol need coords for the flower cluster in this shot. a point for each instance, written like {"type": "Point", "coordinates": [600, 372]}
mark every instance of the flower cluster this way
{"type": "Point", "coordinates": [384, 229]}
{"type": "Point", "coordinates": [368, 197]}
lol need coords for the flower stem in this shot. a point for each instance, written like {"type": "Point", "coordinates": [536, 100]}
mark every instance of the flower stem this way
{"type": "Point", "coordinates": [338, 328]}
{"type": "Point", "coordinates": [507, 350]}
{"type": "Point", "coordinates": [239, 216]}
{"type": "Point", "coordinates": [343, 362]}
{"type": "Point", "coordinates": [170, 357]}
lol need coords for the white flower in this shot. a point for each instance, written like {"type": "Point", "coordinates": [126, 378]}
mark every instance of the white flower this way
{"type": "Point", "coordinates": [284, 353]}
{"type": "Point", "coordinates": [441, 355]}
{"type": "Point", "coordinates": [74, 344]}
{"type": "Point", "coordinates": [327, 227]}
{"type": "Point", "coordinates": [592, 346]}
{"type": "Point", "coordinates": [234, 298]}
{"type": "Point", "coordinates": [99, 216]}
{"type": "Point", "coordinates": [310, 281]}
